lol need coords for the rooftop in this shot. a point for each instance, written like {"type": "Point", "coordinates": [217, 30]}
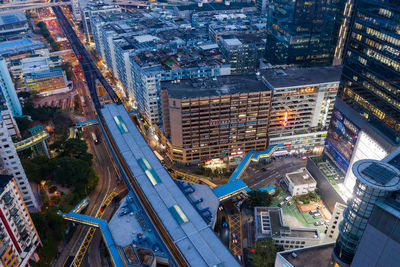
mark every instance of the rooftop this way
{"type": "Point", "coordinates": [269, 224]}
{"type": "Point", "coordinates": [194, 238]}
{"type": "Point", "coordinates": [20, 45]}
{"type": "Point", "coordinates": [208, 87]}
{"type": "Point", "coordinates": [12, 17]}
{"type": "Point", "coordinates": [377, 174]}
{"type": "Point", "coordinates": [315, 256]}
{"type": "Point", "coordinates": [4, 180]}
{"type": "Point", "coordinates": [300, 177]}
{"type": "Point", "coordinates": [291, 77]}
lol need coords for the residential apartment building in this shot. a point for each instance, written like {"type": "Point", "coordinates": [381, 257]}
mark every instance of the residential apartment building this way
{"type": "Point", "coordinates": [7, 90]}
{"type": "Point", "coordinates": [18, 236]}
{"type": "Point", "coordinates": [218, 117]}
{"type": "Point", "coordinates": [300, 182]}
{"type": "Point", "coordinates": [14, 167]}
{"type": "Point", "coordinates": [301, 107]}
{"type": "Point", "coordinates": [243, 51]}
{"type": "Point", "coordinates": [301, 32]}
{"type": "Point", "coordinates": [143, 49]}
{"type": "Point", "coordinates": [269, 224]}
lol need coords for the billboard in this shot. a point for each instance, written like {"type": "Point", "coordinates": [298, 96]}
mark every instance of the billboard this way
{"type": "Point", "coordinates": [341, 140]}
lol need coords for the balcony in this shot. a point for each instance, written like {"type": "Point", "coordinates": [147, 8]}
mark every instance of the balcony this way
{"type": "Point", "coordinates": [7, 199]}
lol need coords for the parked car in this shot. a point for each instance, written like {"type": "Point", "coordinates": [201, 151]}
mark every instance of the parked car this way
{"type": "Point", "coordinates": [318, 223]}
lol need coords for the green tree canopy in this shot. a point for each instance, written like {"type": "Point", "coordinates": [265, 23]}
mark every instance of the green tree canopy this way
{"type": "Point", "coordinates": [76, 148]}
{"type": "Point", "coordinates": [259, 198]}
{"type": "Point", "coordinates": [264, 253]}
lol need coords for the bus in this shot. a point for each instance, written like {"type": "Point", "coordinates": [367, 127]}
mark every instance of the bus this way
{"type": "Point", "coordinates": [160, 158]}
{"type": "Point", "coordinates": [94, 137]}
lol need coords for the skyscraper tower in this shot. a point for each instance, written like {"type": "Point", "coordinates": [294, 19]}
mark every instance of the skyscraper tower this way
{"type": "Point", "coordinates": [302, 32]}
{"type": "Point", "coordinates": [376, 180]}
{"type": "Point", "coordinates": [7, 90]}
{"type": "Point", "coordinates": [368, 102]}
{"type": "Point", "coordinates": [371, 72]}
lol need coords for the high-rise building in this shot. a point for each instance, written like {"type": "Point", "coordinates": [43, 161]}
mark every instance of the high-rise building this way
{"type": "Point", "coordinates": [7, 89]}
{"type": "Point", "coordinates": [380, 243]}
{"type": "Point", "coordinates": [18, 236]}
{"type": "Point", "coordinates": [301, 106]}
{"type": "Point", "coordinates": [301, 32]}
{"type": "Point", "coordinates": [376, 181]}
{"type": "Point", "coordinates": [76, 9]}
{"type": "Point", "coordinates": [13, 167]}
{"type": "Point", "coordinates": [366, 120]}
{"type": "Point", "coordinates": [371, 70]}
{"type": "Point", "coordinates": [219, 117]}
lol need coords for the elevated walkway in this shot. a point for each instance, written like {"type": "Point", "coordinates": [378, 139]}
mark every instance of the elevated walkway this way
{"type": "Point", "coordinates": [83, 124]}
{"type": "Point", "coordinates": [31, 141]}
{"type": "Point", "coordinates": [236, 186]}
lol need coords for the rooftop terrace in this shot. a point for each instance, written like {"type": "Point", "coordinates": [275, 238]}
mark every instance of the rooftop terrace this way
{"type": "Point", "coordinates": [300, 177]}
{"type": "Point", "coordinates": [291, 77]}
{"type": "Point", "coordinates": [208, 87]}
{"type": "Point", "coordinates": [315, 256]}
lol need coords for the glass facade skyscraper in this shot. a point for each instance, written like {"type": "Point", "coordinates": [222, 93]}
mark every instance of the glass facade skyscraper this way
{"type": "Point", "coordinates": [302, 32]}
{"type": "Point", "coordinates": [370, 81]}
{"type": "Point", "coordinates": [376, 180]}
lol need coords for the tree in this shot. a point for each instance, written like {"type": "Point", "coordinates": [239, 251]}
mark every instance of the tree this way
{"type": "Point", "coordinates": [72, 172]}
{"type": "Point", "coordinates": [259, 198]}
{"type": "Point", "coordinates": [76, 148]}
{"type": "Point", "coordinates": [67, 67]}
{"type": "Point", "coordinates": [23, 123]}
{"type": "Point", "coordinates": [264, 253]}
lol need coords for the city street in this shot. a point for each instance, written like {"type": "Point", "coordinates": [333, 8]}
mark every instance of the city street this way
{"type": "Point", "coordinates": [261, 174]}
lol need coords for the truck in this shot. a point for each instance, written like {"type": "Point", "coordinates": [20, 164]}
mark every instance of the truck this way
{"type": "Point", "coordinates": [94, 137]}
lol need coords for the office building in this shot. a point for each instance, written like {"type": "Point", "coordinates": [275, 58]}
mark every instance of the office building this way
{"type": "Point", "coordinates": [332, 231]}
{"type": "Point", "coordinates": [376, 181]}
{"type": "Point", "coordinates": [262, 6]}
{"type": "Point", "coordinates": [380, 243]}
{"type": "Point", "coordinates": [300, 182]}
{"type": "Point", "coordinates": [313, 256]}
{"type": "Point", "coordinates": [14, 167]}
{"type": "Point", "coordinates": [18, 236]}
{"type": "Point", "coordinates": [301, 32]}
{"type": "Point", "coordinates": [243, 51]}
{"type": "Point", "coordinates": [367, 101]}
{"type": "Point", "coordinates": [12, 25]}
{"type": "Point", "coordinates": [8, 90]}
{"type": "Point", "coordinates": [301, 107]}
{"type": "Point", "coordinates": [269, 224]}
{"type": "Point", "coordinates": [216, 117]}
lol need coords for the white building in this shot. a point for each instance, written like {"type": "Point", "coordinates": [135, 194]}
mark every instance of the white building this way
{"type": "Point", "coordinates": [300, 182]}
{"type": "Point", "coordinates": [14, 167]}
{"type": "Point", "coordinates": [337, 216]}
{"type": "Point", "coordinates": [76, 9]}
{"type": "Point", "coordinates": [269, 224]}
{"type": "Point", "coordinates": [10, 123]}
{"type": "Point", "coordinates": [301, 107]}
{"type": "Point", "coordinates": [18, 236]}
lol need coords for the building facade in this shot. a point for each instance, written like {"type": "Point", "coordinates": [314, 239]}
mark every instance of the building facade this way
{"type": "Point", "coordinates": [8, 90]}
{"type": "Point", "coordinates": [47, 82]}
{"type": "Point", "coordinates": [18, 236]}
{"type": "Point", "coordinates": [332, 231]}
{"type": "Point", "coordinates": [12, 25]}
{"type": "Point", "coordinates": [373, 50]}
{"type": "Point", "coordinates": [301, 108]}
{"type": "Point", "coordinates": [301, 32]}
{"type": "Point", "coordinates": [269, 224]}
{"type": "Point", "coordinates": [300, 182]}
{"type": "Point", "coordinates": [380, 243]}
{"type": "Point", "coordinates": [217, 117]}
{"type": "Point", "coordinates": [376, 181]}
{"type": "Point", "coordinates": [14, 167]}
